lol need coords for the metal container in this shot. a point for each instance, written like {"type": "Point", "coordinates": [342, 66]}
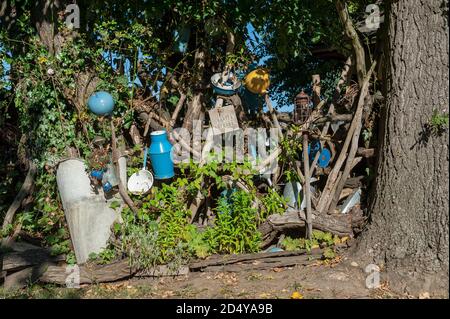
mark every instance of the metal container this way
{"type": "Point", "coordinates": [324, 157]}
{"type": "Point", "coordinates": [159, 152]}
{"type": "Point", "coordinates": [227, 88]}
{"type": "Point", "coordinates": [257, 81]}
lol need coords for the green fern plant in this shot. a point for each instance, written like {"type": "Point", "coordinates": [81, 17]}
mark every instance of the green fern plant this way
{"type": "Point", "coordinates": [235, 229]}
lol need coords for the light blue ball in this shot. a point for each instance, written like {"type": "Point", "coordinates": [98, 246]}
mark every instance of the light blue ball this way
{"type": "Point", "coordinates": [101, 103]}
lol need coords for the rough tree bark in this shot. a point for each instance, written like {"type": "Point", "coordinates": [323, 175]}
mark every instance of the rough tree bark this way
{"type": "Point", "coordinates": [408, 234]}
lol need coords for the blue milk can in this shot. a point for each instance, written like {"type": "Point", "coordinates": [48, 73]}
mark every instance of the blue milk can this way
{"type": "Point", "coordinates": [159, 152]}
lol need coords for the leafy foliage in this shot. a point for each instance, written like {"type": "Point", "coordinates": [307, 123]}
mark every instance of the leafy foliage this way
{"type": "Point", "coordinates": [235, 225]}
{"type": "Point", "coordinates": [274, 203]}
{"type": "Point", "coordinates": [319, 238]}
{"type": "Point", "coordinates": [438, 123]}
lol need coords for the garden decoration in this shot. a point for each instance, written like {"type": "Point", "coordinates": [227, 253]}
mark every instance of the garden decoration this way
{"type": "Point", "coordinates": [257, 81]}
{"type": "Point", "coordinates": [324, 154]}
{"type": "Point", "coordinates": [160, 155]}
{"type": "Point", "coordinates": [223, 118]}
{"type": "Point", "coordinates": [251, 101]}
{"type": "Point", "coordinates": [109, 179]}
{"type": "Point", "coordinates": [101, 103]}
{"type": "Point", "coordinates": [89, 216]}
{"type": "Point", "coordinates": [141, 182]}
{"type": "Point", "coordinates": [225, 83]}
{"type": "Point", "coordinates": [302, 109]}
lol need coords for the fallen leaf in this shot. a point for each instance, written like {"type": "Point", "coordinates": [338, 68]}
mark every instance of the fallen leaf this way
{"type": "Point", "coordinates": [276, 269]}
{"type": "Point", "coordinates": [296, 295]}
{"type": "Point", "coordinates": [424, 295]}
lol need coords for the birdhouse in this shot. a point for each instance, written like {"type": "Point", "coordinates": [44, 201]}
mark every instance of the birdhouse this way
{"type": "Point", "coordinates": [302, 110]}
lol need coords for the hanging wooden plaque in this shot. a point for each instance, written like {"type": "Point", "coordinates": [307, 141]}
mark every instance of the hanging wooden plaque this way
{"type": "Point", "coordinates": [223, 119]}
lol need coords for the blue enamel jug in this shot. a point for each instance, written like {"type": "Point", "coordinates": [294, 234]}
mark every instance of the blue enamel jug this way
{"type": "Point", "coordinates": [159, 153]}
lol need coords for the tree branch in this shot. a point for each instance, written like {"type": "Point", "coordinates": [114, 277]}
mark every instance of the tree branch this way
{"type": "Point", "coordinates": [351, 33]}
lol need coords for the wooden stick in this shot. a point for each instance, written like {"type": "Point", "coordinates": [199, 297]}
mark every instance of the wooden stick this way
{"type": "Point", "coordinates": [356, 43]}
{"type": "Point", "coordinates": [273, 114]}
{"type": "Point", "coordinates": [331, 114]}
{"type": "Point", "coordinates": [355, 140]}
{"type": "Point", "coordinates": [24, 190]}
{"type": "Point", "coordinates": [115, 156]}
{"type": "Point", "coordinates": [353, 134]}
{"type": "Point", "coordinates": [177, 110]}
{"type": "Point", "coordinates": [316, 89]}
{"type": "Point", "coordinates": [332, 178]}
{"type": "Point", "coordinates": [294, 221]}
{"type": "Point", "coordinates": [265, 264]}
{"type": "Point", "coordinates": [147, 125]}
{"type": "Point", "coordinates": [343, 79]}
{"type": "Point", "coordinates": [307, 186]}
{"type": "Point", "coordinates": [221, 260]}
{"type": "Point", "coordinates": [334, 117]}
{"type": "Point", "coordinates": [30, 257]}
{"type": "Point", "coordinates": [269, 159]}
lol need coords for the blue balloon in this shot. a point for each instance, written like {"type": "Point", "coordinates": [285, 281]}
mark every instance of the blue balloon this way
{"type": "Point", "coordinates": [101, 103]}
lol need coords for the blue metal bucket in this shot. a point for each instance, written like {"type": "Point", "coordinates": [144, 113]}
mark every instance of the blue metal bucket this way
{"type": "Point", "coordinates": [228, 89]}
{"type": "Point", "coordinates": [159, 152]}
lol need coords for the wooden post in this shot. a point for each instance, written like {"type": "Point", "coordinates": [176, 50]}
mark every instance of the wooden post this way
{"type": "Point", "coordinates": [307, 187]}
{"type": "Point", "coordinates": [316, 89]}
{"type": "Point", "coordinates": [115, 159]}
{"type": "Point", "coordinates": [273, 114]}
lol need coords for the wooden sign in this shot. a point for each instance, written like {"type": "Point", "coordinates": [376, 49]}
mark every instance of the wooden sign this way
{"type": "Point", "coordinates": [223, 119]}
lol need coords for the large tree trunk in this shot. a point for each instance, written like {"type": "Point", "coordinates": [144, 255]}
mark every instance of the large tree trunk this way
{"type": "Point", "coordinates": [408, 234]}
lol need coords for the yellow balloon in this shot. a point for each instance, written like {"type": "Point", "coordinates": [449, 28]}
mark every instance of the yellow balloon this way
{"type": "Point", "coordinates": [257, 81]}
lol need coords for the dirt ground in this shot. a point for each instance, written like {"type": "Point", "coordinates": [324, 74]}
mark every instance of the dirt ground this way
{"type": "Point", "coordinates": [341, 278]}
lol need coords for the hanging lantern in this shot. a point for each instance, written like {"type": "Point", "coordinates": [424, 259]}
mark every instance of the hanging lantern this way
{"type": "Point", "coordinates": [302, 110]}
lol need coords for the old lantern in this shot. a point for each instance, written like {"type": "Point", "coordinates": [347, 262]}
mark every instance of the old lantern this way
{"type": "Point", "coordinates": [302, 109]}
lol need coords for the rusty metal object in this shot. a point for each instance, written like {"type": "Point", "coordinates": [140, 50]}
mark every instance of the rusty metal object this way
{"type": "Point", "coordinates": [302, 111]}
